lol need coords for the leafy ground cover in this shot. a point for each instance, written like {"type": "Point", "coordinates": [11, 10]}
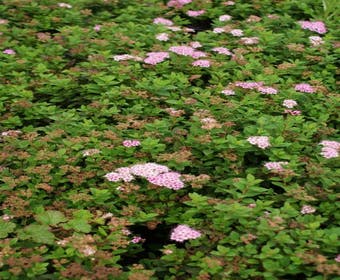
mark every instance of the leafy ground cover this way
{"type": "Point", "coordinates": [181, 139]}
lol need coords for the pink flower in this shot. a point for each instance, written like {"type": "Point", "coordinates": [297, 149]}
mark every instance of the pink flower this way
{"type": "Point", "coordinates": [249, 85]}
{"type": "Point", "coordinates": [221, 50]}
{"type": "Point", "coordinates": [337, 258]}
{"type": "Point", "coordinates": [260, 141]}
{"type": "Point", "coordinates": [236, 32]}
{"type": "Point", "coordinates": [182, 50]}
{"type": "Point", "coordinates": [3, 21]}
{"type": "Point", "coordinates": [162, 37]}
{"type": "Point", "coordinates": [198, 54]}
{"type": "Point", "coordinates": [315, 40]}
{"type": "Point", "coordinates": [137, 239]}
{"type": "Point", "coordinates": [184, 232]}
{"type": "Point", "coordinates": [250, 40]}
{"type": "Point", "coordinates": [267, 90]}
{"type": "Point", "coordinates": [191, 13]}
{"type": "Point", "coordinates": [178, 3]}
{"type": "Point", "coordinates": [304, 87]}
{"type": "Point", "coordinates": [330, 149]}
{"type": "Point", "coordinates": [156, 57]}
{"type": "Point", "coordinates": [307, 209]}
{"type": "Point", "coordinates": [131, 143]}
{"type": "Point", "coordinates": [228, 92]}
{"type": "Point", "coordinates": [174, 28]}
{"type": "Point", "coordinates": [218, 30]}
{"type": "Point", "coordinates": [224, 18]}
{"type": "Point", "coordinates": [315, 26]}
{"type": "Point", "coordinates": [170, 180]}
{"type": "Point", "coordinates": [201, 63]}
{"type": "Point", "coordinates": [163, 21]}
{"type": "Point", "coordinates": [292, 112]}
{"type": "Point", "coordinates": [97, 27]}
{"type": "Point", "coordinates": [167, 251]}
{"type": "Point", "coordinates": [289, 103]}
{"type": "Point", "coordinates": [275, 166]}
{"type": "Point", "coordinates": [9, 51]}
{"type": "Point", "coordinates": [122, 173]}
{"type": "Point", "coordinates": [147, 170]}
{"type": "Point", "coordinates": [90, 152]}
{"type": "Point", "coordinates": [195, 45]}
{"type": "Point", "coordinates": [126, 57]}
{"type": "Point", "coordinates": [64, 5]}
{"type": "Point", "coordinates": [229, 3]}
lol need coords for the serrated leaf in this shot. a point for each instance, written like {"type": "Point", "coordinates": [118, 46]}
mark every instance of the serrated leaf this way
{"type": "Point", "coordinates": [51, 217]}
{"type": "Point", "coordinates": [6, 228]}
{"type": "Point", "coordinates": [79, 225]}
{"type": "Point", "coordinates": [38, 233]}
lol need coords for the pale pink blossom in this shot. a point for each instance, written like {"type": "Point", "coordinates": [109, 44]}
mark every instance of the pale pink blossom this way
{"type": "Point", "coordinates": [198, 54]}
{"type": "Point", "coordinates": [6, 217]}
{"type": "Point", "coordinates": [137, 239]}
{"type": "Point", "coordinates": [249, 40]}
{"type": "Point", "coordinates": [315, 26]}
{"type": "Point", "coordinates": [289, 103]}
{"type": "Point", "coordinates": [228, 92]}
{"type": "Point", "coordinates": [195, 44]}
{"type": "Point", "coordinates": [267, 90]}
{"type": "Point", "coordinates": [292, 112]}
{"type": "Point", "coordinates": [126, 231]}
{"type": "Point", "coordinates": [182, 50]}
{"type": "Point", "coordinates": [183, 232]}
{"type": "Point", "coordinates": [87, 250]}
{"type": "Point", "coordinates": [178, 3]}
{"type": "Point", "coordinates": [304, 87]}
{"type": "Point", "coordinates": [330, 144]}
{"type": "Point", "coordinates": [3, 21]}
{"type": "Point", "coordinates": [307, 209]}
{"type": "Point", "coordinates": [315, 40]}
{"type": "Point", "coordinates": [224, 18]}
{"type": "Point", "coordinates": [121, 57]}
{"type": "Point", "coordinates": [201, 63]}
{"type": "Point", "coordinates": [191, 13]}
{"type": "Point", "coordinates": [330, 149]}
{"type": "Point", "coordinates": [90, 152]}
{"type": "Point", "coordinates": [167, 251]}
{"type": "Point", "coordinates": [163, 21]}
{"type": "Point", "coordinates": [9, 51]}
{"type": "Point", "coordinates": [174, 28]}
{"type": "Point", "coordinates": [131, 143]}
{"type": "Point", "coordinates": [275, 165]}
{"type": "Point", "coordinates": [218, 30]}
{"type": "Point", "coordinates": [147, 170]}
{"type": "Point", "coordinates": [222, 50]}
{"type": "Point", "coordinates": [156, 57]}
{"type": "Point", "coordinates": [337, 258]}
{"type": "Point", "coordinates": [236, 32]}
{"type": "Point", "coordinates": [170, 180]}
{"type": "Point", "coordinates": [162, 37]}
{"type": "Point", "coordinates": [260, 141]}
{"type": "Point", "coordinates": [229, 3]}
{"type": "Point", "coordinates": [249, 85]}
{"type": "Point", "coordinates": [97, 27]}
{"type": "Point", "coordinates": [11, 133]}
{"type": "Point", "coordinates": [64, 5]}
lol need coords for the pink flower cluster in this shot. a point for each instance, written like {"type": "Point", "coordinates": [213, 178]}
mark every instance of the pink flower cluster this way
{"type": "Point", "coordinates": [162, 37]}
{"type": "Point", "coordinates": [178, 3]}
{"type": "Point", "coordinates": [289, 103]}
{"type": "Point", "coordinates": [315, 40]}
{"type": "Point", "coordinates": [184, 232]}
{"type": "Point", "coordinates": [222, 50]}
{"type": "Point", "coordinates": [187, 51]}
{"type": "Point", "coordinates": [121, 57]}
{"type": "Point", "coordinates": [304, 87]}
{"type": "Point", "coordinates": [9, 51]}
{"type": "Point", "coordinates": [191, 13]}
{"type": "Point", "coordinates": [201, 63]}
{"type": "Point", "coordinates": [156, 57]}
{"type": "Point", "coordinates": [131, 143]}
{"type": "Point", "coordinates": [163, 21]}
{"type": "Point", "coordinates": [156, 174]}
{"type": "Point", "coordinates": [250, 40]}
{"type": "Point", "coordinates": [249, 85]}
{"type": "Point", "coordinates": [236, 32]}
{"type": "Point", "coordinates": [228, 92]}
{"type": "Point", "coordinates": [267, 90]}
{"type": "Point", "coordinates": [260, 141]}
{"type": "Point", "coordinates": [218, 30]}
{"type": "Point", "coordinates": [275, 165]}
{"type": "Point", "coordinates": [137, 239]}
{"type": "Point", "coordinates": [315, 26]}
{"type": "Point", "coordinates": [330, 149]}
{"type": "Point", "coordinates": [224, 18]}
{"type": "Point", "coordinates": [195, 44]}
{"type": "Point", "coordinates": [97, 27]}
{"type": "Point", "coordinates": [90, 152]}
{"type": "Point", "coordinates": [307, 209]}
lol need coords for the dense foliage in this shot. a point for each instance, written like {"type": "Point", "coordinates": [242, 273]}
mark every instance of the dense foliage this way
{"type": "Point", "coordinates": [181, 139]}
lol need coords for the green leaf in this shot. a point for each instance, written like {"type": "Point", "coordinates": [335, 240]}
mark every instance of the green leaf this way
{"type": "Point", "coordinates": [51, 217]}
{"type": "Point", "coordinates": [79, 225]}
{"type": "Point", "coordinates": [6, 228]}
{"type": "Point", "coordinates": [38, 233]}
